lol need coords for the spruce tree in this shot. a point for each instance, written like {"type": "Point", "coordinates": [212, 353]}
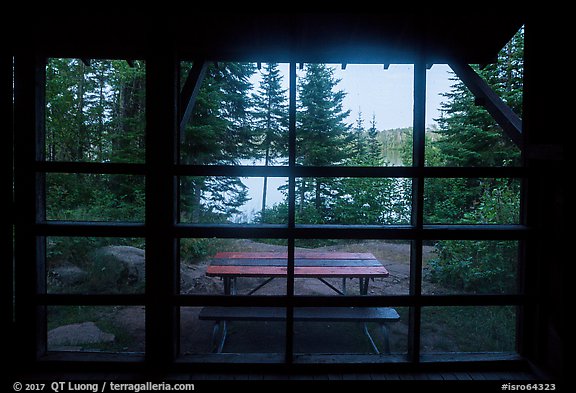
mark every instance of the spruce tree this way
{"type": "Point", "coordinates": [270, 121]}
{"type": "Point", "coordinates": [469, 136]}
{"type": "Point", "coordinates": [322, 136]}
{"type": "Point", "coordinates": [219, 132]}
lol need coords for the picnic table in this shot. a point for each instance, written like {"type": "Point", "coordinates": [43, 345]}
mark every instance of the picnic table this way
{"type": "Point", "coordinates": [307, 264]}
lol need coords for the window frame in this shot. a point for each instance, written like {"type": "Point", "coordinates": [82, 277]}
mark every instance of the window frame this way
{"type": "Point", "coordinates": [162, 229]}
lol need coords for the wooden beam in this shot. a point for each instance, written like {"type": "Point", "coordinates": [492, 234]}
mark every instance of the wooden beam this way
{"type": "Point", "coordinates": [190, 91]}
{"type": "Point", "coordinates": [498, 109]}
{"type": "Point", "coordinates": [162, 320]}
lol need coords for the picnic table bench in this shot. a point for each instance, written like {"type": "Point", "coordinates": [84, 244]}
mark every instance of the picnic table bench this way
{"type": "Point", "coordinates": [319, 265]}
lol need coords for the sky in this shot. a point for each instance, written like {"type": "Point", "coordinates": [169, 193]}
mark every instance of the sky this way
{"type": "Point", "coordinates": [385, 93]}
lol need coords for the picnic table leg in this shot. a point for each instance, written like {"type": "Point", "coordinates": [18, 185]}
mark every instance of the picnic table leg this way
{"type": "Point", "coordinates": [386, 335]}
{"type": "Point", "coordinates": [219, 333]}
{"type": "Point", "coordinates": [364, 286]}
{"type": "Point", "coordinates": [222, 326]}
{"type": "Point", "coordinates": [367, 333]}
{"type": "Point", "coordinates": [227, 283]}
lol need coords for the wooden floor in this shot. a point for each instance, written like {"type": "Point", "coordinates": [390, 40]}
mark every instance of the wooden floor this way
{"type": "Point", "coordinates": [436, 376]}
{"type": "Point", "coordinates": [396, 376]}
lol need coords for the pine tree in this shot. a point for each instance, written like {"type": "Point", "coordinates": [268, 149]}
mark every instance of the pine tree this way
{"type": "Point", "coordinates": [369, 201]}
{"type": "Point", "coordinates": [323, 135]}
{"type": "Point", "coordinates": [270, 119]}
{"type": "Point", "coordinates": [358, 146]}
{"type": "Point", "coordinates": [374, 145]}
{"type": "Point", "coordinates": [469, 136]}
{"type": "Point", "coordinates": [219, 132]}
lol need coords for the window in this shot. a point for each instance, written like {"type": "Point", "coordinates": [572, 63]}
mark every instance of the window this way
{"type": "Point", "coordinates": [137, 201]}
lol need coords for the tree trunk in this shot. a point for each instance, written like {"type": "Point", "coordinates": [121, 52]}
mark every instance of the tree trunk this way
{"type": "Point", "coordinates": [302, 195]}
{"type": "Point", "coordinates": [265, 185]}
{"type": "Point", "coordinates": [78, 154]}
{"type": "Point", "coordinates": [264, 191]}
{"type": "Point", "coordinates": [196, 201]}
{"type": "Point", "coordinates": [318, 197]}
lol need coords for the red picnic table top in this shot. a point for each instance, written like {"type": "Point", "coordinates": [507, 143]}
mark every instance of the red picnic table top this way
{"type": "Point", "coordinates": [306, 264]}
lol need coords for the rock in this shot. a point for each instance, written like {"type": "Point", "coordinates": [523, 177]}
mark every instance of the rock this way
{"type": "Point", "coordinates": [130, 261]}
{"type": "Point", "coordinates": [69, 275]}
{"type": "Point", "coordinates": [78, 334]}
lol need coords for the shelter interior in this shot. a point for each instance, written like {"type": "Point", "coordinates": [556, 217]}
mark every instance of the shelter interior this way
{"type": "Point", "coordinates": [294, 39]}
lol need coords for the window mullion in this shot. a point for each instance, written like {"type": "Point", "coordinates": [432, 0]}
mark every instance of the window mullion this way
{"type": "Point", "coordinates": [419, 128]}
{"type": "Point", "coordinates": [291, 214]}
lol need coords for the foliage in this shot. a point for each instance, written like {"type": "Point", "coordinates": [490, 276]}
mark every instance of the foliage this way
{"type": "Point", "coordinates": [468, 136]}
{"type": "Point", "coordinates": [486, 266]}
{"type": "Point", "coordinates": [492, 328]}
{"type": "Point", "coordinates": [270, 121]}
{"type": "Point", "coordinates": [96, 113]}
{"type": "Point", "coordinates": [195, 249]}
{"type": "Point", "coordinates": [219, 132]}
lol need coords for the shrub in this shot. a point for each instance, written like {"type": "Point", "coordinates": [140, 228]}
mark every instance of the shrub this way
{"type": "Point", "coordinates": [481, 265]}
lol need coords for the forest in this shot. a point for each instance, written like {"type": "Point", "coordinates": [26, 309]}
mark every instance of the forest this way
{"type": "Point", "coordinates": [95, 112]}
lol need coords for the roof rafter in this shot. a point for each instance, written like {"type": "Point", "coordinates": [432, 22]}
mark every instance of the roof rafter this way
{"type": "Point", "coordinates": [510, 122]}
{"type": "Point", "coordinates": [190, 90]}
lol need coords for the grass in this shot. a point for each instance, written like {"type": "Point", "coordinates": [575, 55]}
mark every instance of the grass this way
{"type": "Point", "coordinates": [103, 318]}
{"type": "Point", "coordinates": [468, 329]}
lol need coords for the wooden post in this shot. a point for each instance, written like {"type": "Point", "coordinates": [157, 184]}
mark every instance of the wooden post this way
{"type": "Point", "coordinates": [162, 325]}
{"type": "Point", "coordinates": [29, 84]}
{"type": "Point", "coordinates": [417, 208]}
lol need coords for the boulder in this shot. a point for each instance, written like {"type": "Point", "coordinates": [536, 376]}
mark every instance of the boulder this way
{"type": "Point", "coordinates": [69, 275]}
{"type": "Point", "coordinates": [78, 334]}
{"type": "Point", "coordinates": [129, 262]}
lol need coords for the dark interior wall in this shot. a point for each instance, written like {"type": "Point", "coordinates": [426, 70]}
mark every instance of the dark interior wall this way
{"type": "Point", "coordinates": [544, 152]}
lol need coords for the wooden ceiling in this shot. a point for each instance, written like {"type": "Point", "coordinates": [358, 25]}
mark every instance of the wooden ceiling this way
{"type": "Point", "coordinates": [316, 37]}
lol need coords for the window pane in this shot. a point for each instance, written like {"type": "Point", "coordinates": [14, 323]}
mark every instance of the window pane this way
{"type": "Point", "coordinates": [233, 266]}
{"type": "Point", "coordinates": [351, 331]}
{"type": "Point", "coordinates": [248, 330]}
{"type": "Point", "coordinates": [94, 197]}
{"type": "Point", "coordinates": [471, 201]}
{"type": "Point", "coordinates": [240, 116]}
{"type": "Point", "coordinates": [460, 132]}
{"type": "Point", "coordinates": [471, 266]}
{"type": "Point", "coordinates": [91, 265]}
{"type": "Point", "coordinates": [226, 200]}
{"type": "Point", "coordinates": [357, 116]}
{"type": "Point", "coordinates": [331, 267]}
{"type": "Point", "coordinates": [112, 329]}
{"type": "Point", "coordinates": [95, 112]}
{"type": "Point", "coordinates": [468, 329]}
{"type": "Point", "coordinates": [353, 201]}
